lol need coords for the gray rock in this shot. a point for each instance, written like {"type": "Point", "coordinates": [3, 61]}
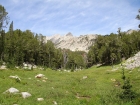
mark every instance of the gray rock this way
{"type": "Point", "coordinates": [12, 90]}
{"type": "Point", "coordinates": [40, 99]}
{"type": "Point", "coordinates": [25, 94]}
{"type": "Point", "coordinates": [3, 67]}
{"type": "Point", "coordinates": [39, 75]}
{"type": "Point", "coordinates": [16, 77]}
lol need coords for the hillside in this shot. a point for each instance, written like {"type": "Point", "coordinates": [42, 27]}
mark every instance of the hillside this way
{"type": "Point", "coordinates": [94, 86]}
{"type": "Point", "coordinates": [68, 41]}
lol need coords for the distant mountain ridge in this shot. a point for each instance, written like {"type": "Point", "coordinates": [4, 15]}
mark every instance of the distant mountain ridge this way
{"type": "Point", "coordinates": [81, 43]}
{"type": "Point", "coordinates": [68, 41]}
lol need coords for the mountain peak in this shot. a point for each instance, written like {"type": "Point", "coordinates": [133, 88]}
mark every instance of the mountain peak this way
{"type": "Point", "coordinates": [68, 41]}
{"type": "Point", "coordinates": [69, 34]}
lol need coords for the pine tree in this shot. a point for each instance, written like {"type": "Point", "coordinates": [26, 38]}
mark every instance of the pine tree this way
{"type": "Point", "coordinates": [3, 23]}
{"type": "Point", "coordinates": [2, 44]}
{"type": "Point", "coordinates": [11, 28]}
{"type": "Point", "coordinates": [3, 17]}
{"type": "Point", "coordinates": [127, 94]}
{"type": "Point", "coordinates": [138, 17]}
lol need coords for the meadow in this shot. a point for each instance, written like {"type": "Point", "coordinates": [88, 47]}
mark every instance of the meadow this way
{"type": "Point", "coordinates": [93, 86]}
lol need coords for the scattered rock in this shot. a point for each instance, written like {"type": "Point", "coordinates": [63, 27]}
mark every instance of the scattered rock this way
{"type": "Point", "coordinates": [15, 91]}
{"type": "Point", "coordinates": [54, 102]}
{"type": "Point", "coordinates": [25, 94]}
{"type": "Point", "coordinates": [114, 80]}
{"type": "Point", "coordinates": [43, 80]}
{"type": "Point", "coordinates": [16, 67]}
{"type": "Point", "coordinates": [84, 77]}
{"type": "Point", "coordinates": [40, 99]}
{"type": "Point", "coordinates": [25, 67]}
{"type": "Point", "coordinates": [98, 65]}
{"type": "Point", "coordinates": [12, 90]}
{"type": "Point", "coordinates": [16, 77]}
{"type": "Point", "coordinates": [24, 64]}
{"type": "Point", "coordinates": [29, 66]}
{"type": "Point", "coordinates": [3, 67]}
{"type": "Point", "coordinates": [39, 76]}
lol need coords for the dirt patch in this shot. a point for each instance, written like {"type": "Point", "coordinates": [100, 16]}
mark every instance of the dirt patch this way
{"type": "Point", "coordinates": [83, 97]}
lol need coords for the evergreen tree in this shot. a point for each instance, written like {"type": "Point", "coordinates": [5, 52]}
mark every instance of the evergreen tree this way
{"type": "Point", "coordinates": [3, 23]}
{"type": "Point", "coordinates": [11, 29]}
{"type": "Point", "coordinates": [2, 44]}
{"type": "Point", "coordinates": [127, 94]}
{"type": "Point", "coordinates": [3, 17]}
{"type": "Point", "coordinates": [138, 17]}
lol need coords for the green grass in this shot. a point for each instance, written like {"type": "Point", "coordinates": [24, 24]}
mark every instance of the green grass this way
{"type": "Point", "coordinates": [68, 88]}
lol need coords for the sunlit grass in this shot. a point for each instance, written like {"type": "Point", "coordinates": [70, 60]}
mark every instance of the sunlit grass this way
{"type": "Point", "coordinates": [67, 88]}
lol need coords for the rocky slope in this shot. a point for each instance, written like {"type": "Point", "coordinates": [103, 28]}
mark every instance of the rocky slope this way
{"type": "Point", "coordinates": [68, 41]}
{"type": "Point", "coordinates": [130, 31]}
{"type": "Point", "coordinates": [133, 62]}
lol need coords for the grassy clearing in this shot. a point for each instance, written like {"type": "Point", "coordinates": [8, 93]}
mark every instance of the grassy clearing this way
{"type": "Point", "coordinates": [68, 88]}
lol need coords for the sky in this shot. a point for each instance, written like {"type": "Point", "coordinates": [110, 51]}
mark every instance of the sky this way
{"type": "Point", "coordinates": [80, 17]}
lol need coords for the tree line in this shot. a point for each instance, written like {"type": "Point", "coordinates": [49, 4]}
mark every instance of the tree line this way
{"type": "Point", "coordinates": [19, 46]}
{"type": "Point", "coordinates": [112, 48]}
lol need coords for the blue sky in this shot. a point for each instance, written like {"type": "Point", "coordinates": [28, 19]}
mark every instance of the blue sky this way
{"type": "Point", "coordinates": [79, 17]}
